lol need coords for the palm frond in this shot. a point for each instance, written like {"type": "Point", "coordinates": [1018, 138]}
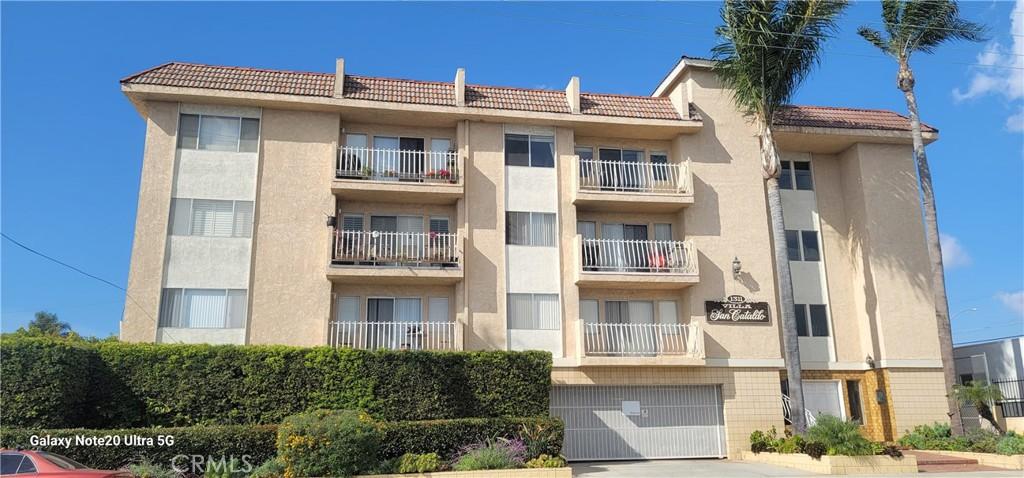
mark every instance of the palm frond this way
{"type": "Point", "coordinates": [923, 25]}
{"type": "Point", "coordinates": [768, 48]}
{"type": "Point", "coordinates": [875, 38]}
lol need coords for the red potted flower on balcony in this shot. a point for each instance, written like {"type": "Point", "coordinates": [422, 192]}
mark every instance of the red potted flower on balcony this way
{"type": "Point", "coordinates": [445, 174]}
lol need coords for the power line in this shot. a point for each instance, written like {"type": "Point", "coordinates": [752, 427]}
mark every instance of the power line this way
{"type": "Point", "coordinates": [80, 271]}
{"type": "Point", "coordinates": [648, 32]}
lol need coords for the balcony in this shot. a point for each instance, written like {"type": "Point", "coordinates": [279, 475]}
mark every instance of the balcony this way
{"type": "Point", "coordinates": [395, 335]}
{"type": "Point", "coordinates": [642, 344]}
{"type": "Point", "coordinates": [630, 186]}
{"type": "Point", "coordinates": [623, 264]}
{"type": "Point", "coordinates": [369, 257]}
{"type": "Point", "coordinates": [394, 175]}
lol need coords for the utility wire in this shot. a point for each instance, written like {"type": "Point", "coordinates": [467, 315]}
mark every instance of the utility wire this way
{"type": "Point", "coordinates": [80, 271]}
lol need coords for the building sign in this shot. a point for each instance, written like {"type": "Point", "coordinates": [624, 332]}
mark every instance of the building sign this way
{"type": "Point", "coordinates": [631, 408]}
{"type": "Point", "coordinates": [736, 309]}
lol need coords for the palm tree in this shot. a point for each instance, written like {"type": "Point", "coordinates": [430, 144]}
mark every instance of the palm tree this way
{"type": "Point", "coordinates": [46, 323]}
{"type": "Point", "coordinates": [979, 396]}
{"type": "Point", "coordinates": [921, 26]}
{"type": "Point", "coordinates": [768, 48]}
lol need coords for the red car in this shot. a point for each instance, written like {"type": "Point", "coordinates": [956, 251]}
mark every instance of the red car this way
{"type": "Point", "coordinates": [29, 463]}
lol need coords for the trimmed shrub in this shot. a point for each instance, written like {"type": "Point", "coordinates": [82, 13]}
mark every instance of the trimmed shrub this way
{"type": "Point", "coordinates": [763, 442]}
{"type": "Point", "coordinates": [448, 437]}
{"type": "Point", "coordinates": [791, 444]}
{"type": "Point", "coordinates": [1011, 444]}
{"type": "Point", "coordinates": [272, 468]}
{"type": "Point", "coordinates": [545, 461]}
{"type": "Point", "coordinates": [53, 384]}
{"type": "Point", "coordinates": [923, 435]}
{"type": "Point", "coordinates": [251, 444]}
{"type": "Point", "coordinates": [840, 437]}
{"type": "Point", "coordinates": [414, 463]}
{"type": "Point", "coordinates": [814, 449]}
{"type": "Point", "coordinates": [149, 470]}
{"type": "Point", "coordinates": [328, 443]}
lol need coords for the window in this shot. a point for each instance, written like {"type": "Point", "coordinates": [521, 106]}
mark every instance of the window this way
{"type": "Point", "coordinates": [529, 150]}
{"type": "Point", "coordinates": [853, 398]}
{"type": "Point", "coordinates": [209, 217]}
{"type": "Point", "coordinates": [437, 309]}
{"type": "Point", "coordinates": [62, 461]}
{"type": "Point", "coordinates": [659, 163]}
{"type": "Point", "coordinates": [663, 232]}
{"type": "Point", "coordinates": [352, 222]}
{"type": "Point", "coordinates": [803, 246]}
{"type": "Point", "coordinates": [589, 314]}
{"type": "Point", "coordinates": [12, 463]}
{"type": "Point", "coordinates": [347, 309]}
{"type": "Point", "coordinates": [586, 155]}
{"type": "Point", "coordinates": [203, 308]}
{"type": "Point", "coordinates": [811, 320]}
{"type": "Point", "coordinates": [533, 311]}
{"type": "Point", "coordinates": [439, 225]}
{"type": "Point", "coordinates": [439, 145]}
{"type": "Point", "coordinates": [218, 133]}
{"type": "Point", "coordinates": [530, 229]}
{"type": "Point", "coordinates": [796, 175]}
{"type": "Point", "coordinates": [667, 315]}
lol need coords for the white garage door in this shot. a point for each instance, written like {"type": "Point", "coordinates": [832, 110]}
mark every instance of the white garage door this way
{"type": "Point", "coordinates": [640, 422]}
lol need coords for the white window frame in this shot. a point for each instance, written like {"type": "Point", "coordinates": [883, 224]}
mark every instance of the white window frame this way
{"type": "Point", "coordinates": [394, 308]}
{"type": "Point", "coordinates": [529, 150]}
{"type": "Point", "coordinates": [534, 310]}
{"type": "Point", "coordinates": [182, 291]}
{"type": "Point", "coordinates": [792, 174]}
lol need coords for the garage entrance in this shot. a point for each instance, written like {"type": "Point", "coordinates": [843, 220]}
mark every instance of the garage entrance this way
{"type": "Point", "coordinates": [635, 422]}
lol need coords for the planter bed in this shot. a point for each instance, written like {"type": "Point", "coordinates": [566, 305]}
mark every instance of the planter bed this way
{"type": "Point", "coordinates": [836, 465]}
{"type": "Point", "coordinates": [510, 473]}
{"type": "Point", "coordinates": [1010, 462]}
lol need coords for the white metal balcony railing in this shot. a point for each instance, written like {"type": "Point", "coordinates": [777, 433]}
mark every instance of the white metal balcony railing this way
{"type": "Point", "coordinates": [635, 176]}
{"type": "Point", "coordinates": [787, 410]}
{"type": "Point", "coordinates": [398, 165]}
{"type": "Point", "coordinates": [394, 335]}
{"type": "Point", "coordinates": [396, 248]}
{"type": "Point", "coordinates": [625, 255]}
{"type": "Point", "coordinates": [643, 340]}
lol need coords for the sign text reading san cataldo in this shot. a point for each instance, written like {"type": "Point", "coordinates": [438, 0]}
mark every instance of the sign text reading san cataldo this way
{"type": "Point", "coordinates": [736, 309]}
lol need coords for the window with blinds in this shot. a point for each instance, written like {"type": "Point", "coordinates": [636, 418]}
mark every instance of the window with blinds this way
{"type": "Point", "coordinates": [530, 229]}
{"type": "Point", "coordinates": [533, 311]}
{"type": "Point", "coordinates": [203, 308]}
{"type": "Point", "coordinates": [213, 218]}
{"type": "Point", "coordinates": [218, 133]}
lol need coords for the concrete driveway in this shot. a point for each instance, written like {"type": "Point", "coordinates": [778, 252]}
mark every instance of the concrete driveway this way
{"type": "Point", "coordinates": [721, 469]}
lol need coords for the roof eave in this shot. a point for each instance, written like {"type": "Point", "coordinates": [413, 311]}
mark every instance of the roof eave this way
{"type": "Point", "coordinates": [676, 71]}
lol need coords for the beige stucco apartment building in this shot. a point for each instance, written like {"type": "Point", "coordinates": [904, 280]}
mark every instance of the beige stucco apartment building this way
{"type": "Point", "coordinates": [627, 235]}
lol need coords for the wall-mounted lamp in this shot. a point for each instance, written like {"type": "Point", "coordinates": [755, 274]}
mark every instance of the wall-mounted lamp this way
{"type": "Point", "coordinates": [870, 361]}
{"type": "Point", "coordinates": [737, 266]}
{"type": "Point", "coordinates": [332, 221]}
{"type": "Point", "coordinates": [880, 397]}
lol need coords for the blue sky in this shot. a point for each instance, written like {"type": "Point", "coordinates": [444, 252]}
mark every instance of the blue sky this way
{"type": "Point", "coordinates": [72, 144]}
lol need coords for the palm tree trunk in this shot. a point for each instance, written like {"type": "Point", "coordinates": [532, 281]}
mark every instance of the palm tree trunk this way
{"type": "Point", "coordinates": [931, 224]}
{"type": "Point", "coordinates": [986, 412]}
{"type": "Point", "coordinates": [790, 340]}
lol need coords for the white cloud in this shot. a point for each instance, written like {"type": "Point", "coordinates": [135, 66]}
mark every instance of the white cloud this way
{"type": "Point", "coordinates": [1002, 71]}
{"type": "Point", "coordinates": [1013, 300]}
{"type": "Point", "coordinates": [953, 253]}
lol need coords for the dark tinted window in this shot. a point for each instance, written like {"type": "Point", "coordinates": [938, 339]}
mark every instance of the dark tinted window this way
{"type": "Point", "coordinates": [786, 176]}
{"type": "Point", "coordinates": [26, 466]}
{"type": "Point", "coordinates": [819, 320]}
{"type": "Point", "coordinates": [793, 245]}
{"type": "Point", "coordinates": [517, 150]}
{"type": "Point", "coordinates": [542, 151]}
{"type": "Point", "coordinates": [802, 173]}
{"type": "Point", "coordinates": [800, 312]}
{"type": "Point", "coordinates": [250, 135]}
{"type": "Point", "coordinates": [9, 463]}
{"type": "Point", "coordinates": [586, 165]}
{"type": "Point", "coordinates": [188, 131]}
{"type": "Point", "coordinates": [811, 251]}
{"type": "Point", "coordinates": [660, 164]}
{"type": "Point", "coordinates": [517, 228]}
{"type": "Point", "coordinates": [853, 398]}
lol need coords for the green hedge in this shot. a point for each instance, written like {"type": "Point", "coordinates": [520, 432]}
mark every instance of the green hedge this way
{"type": "Point", "coordinates": [446, 437]}
{"type": "Point", "coordinates": [51, 384]}
{"type": "Point", "coordinates": [256, 441]}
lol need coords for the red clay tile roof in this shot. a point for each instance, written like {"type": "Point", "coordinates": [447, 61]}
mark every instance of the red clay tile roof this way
{"type": "Point", "coordinates": [853, 118]}
{"type": "Point", "coordinates": [188, 75]}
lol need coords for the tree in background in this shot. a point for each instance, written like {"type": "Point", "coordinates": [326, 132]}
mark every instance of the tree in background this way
{"type": "Point", "coordinates": [980, 396]}
{"type": "Point", "coordinates": [46, 323]}
{"type": "Point", "coordinates": [921, 26]}
{"type": "Point", "coordinates": [768, 48]}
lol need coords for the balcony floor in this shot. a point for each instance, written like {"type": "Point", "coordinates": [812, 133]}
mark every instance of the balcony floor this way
{"type": "Point", "coordinates": [626, 201]}
{"type": "Point", "coordinates": [628, 280]}
{"type": "Point", "coordinates": [367, 190]}
{"type": "Point", "coordinates": [398, 275]}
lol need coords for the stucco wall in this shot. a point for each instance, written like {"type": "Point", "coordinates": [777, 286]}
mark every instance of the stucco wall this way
{"type": "Point", "coordinates": [728, 219]}
{"type": "Point", "coordinates": [208, 262]}
{"type": "Point", "coordinates": [146, 273]}
{"type": "Point", "coordinates": [918, 397]}
{"type": "Point", "coordinates": [290, 296]}
{"type": "Point", "coordinates": [485, 241]}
